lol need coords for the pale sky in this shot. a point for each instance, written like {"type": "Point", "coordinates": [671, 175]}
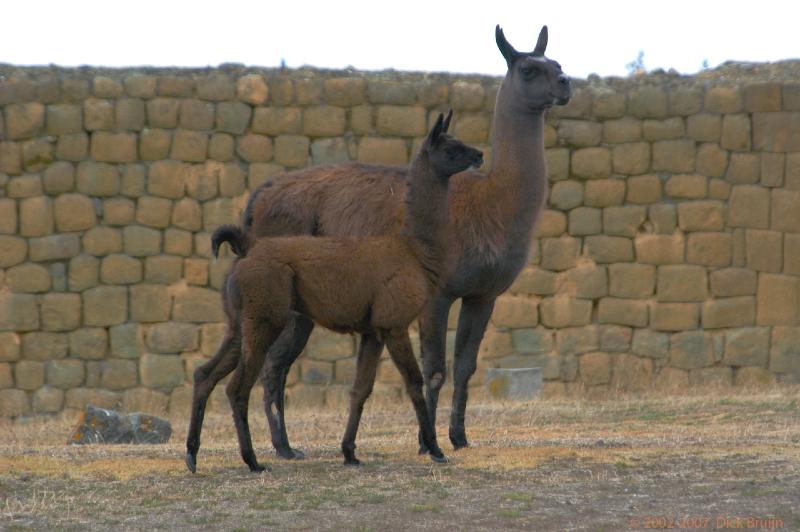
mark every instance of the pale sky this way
{"type": "Point", "coordinates": [448, 36]}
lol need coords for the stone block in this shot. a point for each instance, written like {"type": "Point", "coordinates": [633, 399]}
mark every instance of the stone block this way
{"type": "Point", "coordinates": [556, 162]}
{"type": "Point", "coordinates": [580, 133]}
{"type": "Point", "coordinates": [162, 113]}
{"type": "Point", "coordinates": [221, 147]}
{"type": "Point", "coordinates": [785, 216]}
{"type": "Point", "coordinates": [153, 211]}
{"type": "Point", "coordinates": [172, 337]}
{"type": "Point", "coordinates": [704, 127]}
{"type": "Point", "coordinates": [772, 169]}
{"type": "Point", "coordinates": [749, 207]}
{"type": "Point", "coordinates": [631, 280]}
{"type": "Point", "coordinates": [586, 281]}
{"type": "Point", "coordinates": [175, 86]}
{"type": "Point", "coordinates": [670, 128]}
{"type": "Point", "coordinates": [329, 151]}
{"type": "Point", "coordinates": [584, 221]}
{"type": "Point", "coordinates": [292, 150]}
{"type": "Point", "coordinates": [622, 312]}
{"type": "Point", "coordinates": [777, 300]}
{"type": "Point", "coordinates": [146, 400]}
{"type": "Point", "coordinates": [74, 212]}
{"type": "Point", "coordinates": [150, 303]}
{"type": "Point", "coordinates": [632, 373]}
{"type": "Point", "coordinates": [604, 192]}
{"type": "Point", "coordinates": [594, 368]}
{"type": "Point", "coordinates": [61, 312]}
{"type": "Point", "coordinates": [45, 345]}
{"type": "Point", "coordinates": [747, 346]}
{"type": "Point", "coordinates": [681, 283]}
{"type": "Point", "coordinates": [743, 169]}
{"type": "Point", "coordinates": [101, 240]}
{"type": "Point", "coordinates": [729, 312]}
{"type": "Point", "coordinates": [8, 216]}
{"type": "Point", "coordinates": [607, 103]}
{"type": "Point", "coordinates": [522, 384]}
{"type": "Point", "coordinates": [13, 403]}
{"type": "Point", "coordinates": [118, 211]}
{"type": "Point", "coordinates": [195, 271]}
{"type": "Point", "coordinates": [133, 180]}
{"type": "Point", "coordinates": [719, 189]}
{"type": "Point", "coordinates": [735, 132]}
{"type": "Point", "coordinates": [676, 156]}
{"type": "Point", "coordinates": [712, 161]}
{"type": "Point", "coordinates": [535, 281]}
{"type": "Point", "coordinates": [401, 121]}
{"type": "Point", "coordinates": [623, 221]}
{"type": "Point", "coordinates": [764, 250]}
{"type": "Point", "coordinates": [532, 340]}
{"type": "Point", "coordinates": [233, 117]}
{"type": "Point", "coordinates": [730, 282]}
{"type": "Point", "coordinates": [559, 311]}
{"type": "Point", "coordinates": [254, 148]}
{"type": "Point", "coordinates": [622, 130]}
{"type": "Point", "coordinates": [54, 247]}
{"type": "Point", "coordinates": [467, 96]}
{"type": "Point", "coordinates": [98, 114]}
{"type": "Point", "coordinates": [10, 158]}
{"type": "Point", "coordinates": [605, 249]}
{"type": "Point", "coordinates": [674, 316]}
{"type": "Point", "coordinates": [784, 355]}
{"type": "Point", "coordinates": [631, 158]}
{"type": "Point", "coordinates": [279, 120]}
{"type": "Point", "coordinates": [64, 374]}
{"type": "Point", "coordinates": [48, 400]}
{"type": "Point", "coordinates": [6, 376]}
{"type": "Point", "coordinates": [776, 132]}
{"type": "Point", "coordinates": [650, 343]}
{"type": "Point", "coordinates": [382, 151]}
{"type": "Point", "coordinates": [723, 100]}
{"type": "Point", "coordinates": [141, 241]}
{"type": "Point", "coordinates": [615, 338]}
{"type": "Point", "coordinates": [577, 340]}
{"type": "Point", "coordinates": [120, 269]}
{"type": "Point", "coordinates": [566, 195]}
{"type": "Point", "coordinates": [701, 215]}
{"type": "Point", "coordinates": [659, 249]}
{"type": "Point", "coordinates": [58, 178]}
{"type": "Point", "coordinates": [753, 377]}
{"type": "Point", "coordinates": [691, 350]}
{"type": "Point", "coordinates": [648, 102]}
{"type": "Point", "coordinates": [28, 278]}
{"type": "Point", "coordinates": [709, 249]}
{"type": "Point", "coordinates": [216, 87]}
{"type": "Point", "coordinates": [591, 163]}
{"type": "Point", "coordinates": [327, 345]}
{"type": "Point", "coordinates": [163, 269]}
{"type": "Point", "coordinates": [37, 154]}
{"type": "Point", "coordinates": [83, 273]}
{"type": "Point", "coordinates": [36, 216]}
{"type": "Point", "coordinates": [345, 92]}
{"type": "Point", "coordinates": [88, 343]}
{"type": "Point", "coordinates": [129, 114]}
{"type": "Point", "coordinates": [551, 223]}
{"type": "Point", "coordinates": [515, 312]}
{"type": "Point", "coordinates": [471, 128]}
{"type": "Point", "coordinates": [140, 85]}
{"type": "Point", "coordinates": [29, 374]}
{"type": "Point", "coordinates": [105, 305]}
{"type": "Point", "coordinates": [105, 87]}
{"type": "Point", "coordinates": [24, 120]}
{"type": "Point", "coordinates": [9, 346]}
{"type": "Point", "coordinates": [791, 96]}
{"type": "Point", "coordinates": [791, 254]}
{"type": "Point", "coordinates": [177, 242]}
{"type": "Point", "coordinates": [252, 89]}
{"type": "Point", "coordinates": [98, 179]}
{"type": "Point", "coordinates": [80, 398]}
{"type": "Point", "coordinates": [687, 186]}
{"type": "Point", "coordinates": [189, 146]}
{"type": "Point", "coordinates": [154, 144]}
{"type": "Point", "coordinates": [197, 305]}
{"type": "Point", "coordinates": [26, 186]}
{"type": "Point", "coordinates": [327, 121]}
{"type": "Point", "coordinates": [559, 253]}
{"type": "Point", "coordinates": [119, 374]}
{"type": "Point", "coordinates": [711, 377]}
{"type": "Point", "coordinates": [62, 119]}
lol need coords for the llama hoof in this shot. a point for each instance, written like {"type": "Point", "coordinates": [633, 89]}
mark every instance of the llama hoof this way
{"type": "Point", "coordinates": [439, 458]}
{"type": "Point", "coordinates": [423, 449]}
{"type": "Point", "coordinates": [191, 462]}
{"type": "Point", "coordinates": [353, 462]}
{"type": "Point", "coordinates": [291, 454]}
{"type": "Point", "coordinates": [259, 468]}
{"type": "Point", "coordinates": [459, 440]}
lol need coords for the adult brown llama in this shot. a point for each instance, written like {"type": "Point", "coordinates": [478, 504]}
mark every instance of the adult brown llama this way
{"type": "Point", "coordinates": [491, 223]}
{"type": "Point", "coordinates": [376, 285]}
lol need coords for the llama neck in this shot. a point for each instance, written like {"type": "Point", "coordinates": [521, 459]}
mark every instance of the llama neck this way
{"type": "Point", "coordinates": [518, 177]}
{"type": "Point", "coordinates": [425, 221]}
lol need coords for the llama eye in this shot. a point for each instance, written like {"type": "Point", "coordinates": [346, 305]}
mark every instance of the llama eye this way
{"type": "Point", "coordinates": [529, 72]}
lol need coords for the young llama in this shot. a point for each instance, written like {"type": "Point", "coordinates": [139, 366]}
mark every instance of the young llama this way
{"type": "Point", "coordinates": [375, 285]}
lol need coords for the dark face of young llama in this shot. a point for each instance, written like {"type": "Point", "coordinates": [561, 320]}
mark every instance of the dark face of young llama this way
{"type": "Point", "coordinates": [448, 155]}
{"type": "Point", "coordinates": [536, 81]}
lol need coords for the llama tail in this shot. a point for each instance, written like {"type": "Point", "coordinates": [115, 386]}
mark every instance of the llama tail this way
{"type": "Point", "coordinates": [234, 236]}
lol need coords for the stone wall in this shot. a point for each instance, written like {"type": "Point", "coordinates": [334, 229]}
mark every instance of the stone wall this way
{"type": "Point", "coordinates": [669, 254]}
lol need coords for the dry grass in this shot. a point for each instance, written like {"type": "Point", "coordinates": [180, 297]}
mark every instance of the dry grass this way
{"type": "Point", "coordinates": [554, 464]}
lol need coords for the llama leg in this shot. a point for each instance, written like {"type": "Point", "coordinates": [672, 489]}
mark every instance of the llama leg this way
{"type": "Point", "coordinates": [403, 357]}
{"type": "Point", "coordinates": [256, 340]}
{"type": "Point", "coordinates": [206, 378]}
{"type": "Point", "coordinates": [433, 337]}
{"type": "Point", "coordinates": [472, 323]}
{"type": "Point", "coordinates": [369, 353]}
{"type": "Point", "coordinates": [281, 356]}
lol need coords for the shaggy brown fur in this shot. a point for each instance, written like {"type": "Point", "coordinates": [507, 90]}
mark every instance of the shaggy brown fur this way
{"type": "Point", "coordinates": [491, 223]}
{"type": "Point", "coordinates": [374, 286]}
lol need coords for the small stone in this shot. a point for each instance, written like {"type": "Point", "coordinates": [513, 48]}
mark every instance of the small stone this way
{"type": "Point", "coordinates": [98, 425]}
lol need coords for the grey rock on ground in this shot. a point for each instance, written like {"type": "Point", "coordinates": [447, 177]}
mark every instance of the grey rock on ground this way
{"type": "Point", "coordinates": [100, 425]}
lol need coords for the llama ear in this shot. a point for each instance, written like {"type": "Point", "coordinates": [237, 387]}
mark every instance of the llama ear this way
{"type": "Point", "coordinates": [446, 124]}
{"type": "Point", "coordinates": [506, 49]}
{"type": "Point", "coordinates": [433, 136]}
{"type": "Point", "coordinates": [541, 44]}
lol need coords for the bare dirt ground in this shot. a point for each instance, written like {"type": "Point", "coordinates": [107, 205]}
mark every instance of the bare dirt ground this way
{"type": "Point", "coordinates": [688, 461]}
